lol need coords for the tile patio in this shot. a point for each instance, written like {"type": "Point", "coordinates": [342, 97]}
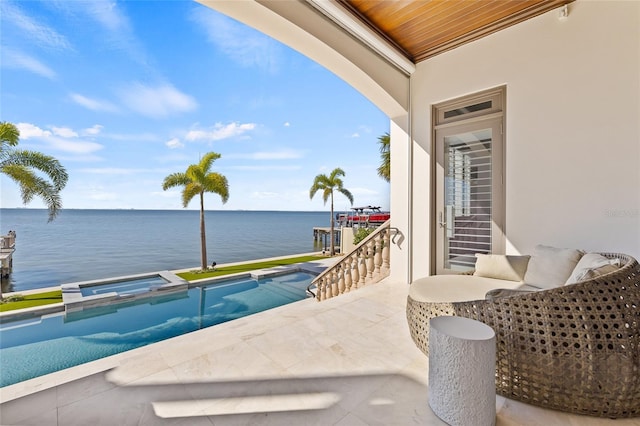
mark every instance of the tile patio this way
{"type": "Point", "coordinates": [346, 361]}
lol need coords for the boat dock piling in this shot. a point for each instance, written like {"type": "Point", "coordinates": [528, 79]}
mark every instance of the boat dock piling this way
{"type": "Point", "coordinates": [7, 247]}
{"type": "Point", "coordinates": [322, 234]}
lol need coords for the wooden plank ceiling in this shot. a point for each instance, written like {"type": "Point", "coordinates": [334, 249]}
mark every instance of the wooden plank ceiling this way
{"type": "Point", "coordinates": [424, 28]}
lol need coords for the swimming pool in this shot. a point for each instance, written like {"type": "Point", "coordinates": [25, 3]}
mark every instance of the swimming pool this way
{"type": "Point", "coordinates": [37, 346]}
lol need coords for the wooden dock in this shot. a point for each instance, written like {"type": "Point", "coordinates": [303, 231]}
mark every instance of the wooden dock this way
{"type": "Point", "coordinates": [322, 234]}
{"type": "Point", "coordinates": [7, 247]}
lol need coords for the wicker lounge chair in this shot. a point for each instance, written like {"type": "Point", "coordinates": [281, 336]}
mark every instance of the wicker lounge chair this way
{"type": "Point", "coordinates": [574, 348]}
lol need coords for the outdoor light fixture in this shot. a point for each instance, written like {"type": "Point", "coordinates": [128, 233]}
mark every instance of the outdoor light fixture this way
{"type": "Point", "coordinates": [563, 13]}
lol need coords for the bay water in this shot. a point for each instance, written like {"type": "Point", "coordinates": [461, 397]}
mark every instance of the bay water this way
{"type": "Point", "coordinates": [82, 245]}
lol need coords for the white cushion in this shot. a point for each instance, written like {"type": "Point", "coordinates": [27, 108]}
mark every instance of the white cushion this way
{"type": "Point", "coordinates": [550, 267]}
{"type": "Point", "coordinates": [501, 267]}
{"type": "Point", "coordinates": [457, 288]}
{"type": "Point", "coordinates": [592, 265]}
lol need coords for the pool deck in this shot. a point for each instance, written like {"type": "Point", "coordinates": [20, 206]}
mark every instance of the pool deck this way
{"type": "Point", "coordinates": [345, 361]}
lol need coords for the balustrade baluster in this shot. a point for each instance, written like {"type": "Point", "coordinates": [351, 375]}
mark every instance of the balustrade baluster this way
{"type": "Point", "coordinates": [340, 271]}
{"type": "Point", "coordinates": [320, 289]}
{"type": "Point", "coordinates": [386, 241]}
{"type": "Point", "coordinates": [377, 257]}
{"type": "Point", "coordinates": [363, 269]}
{"type": "Point", "coordinates": [347, 275]}
{"type": "Point", "coordinates": [370, 267]}
{"type": "Point", "coordinates": [355, 272]}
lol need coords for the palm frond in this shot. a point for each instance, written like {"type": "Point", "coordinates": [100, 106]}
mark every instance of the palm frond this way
{"type": "Point", "coordinates": [9, 134]}
{"type": "Point", "coordinates": [384, 170]}
{"type": "Point", "coordinates": [175, 179]}
{"type": "Point", "coordinates": [189, 192]}
{"type": "Point", "coordinates": [217, 183]}
{"type": "Point", "coordinates": [32, 185]}
{"type": "Point", "coordinates": [44, 163]}
{"type": "Point", "coordinates": [195, 173]}
{"type": "Point", "coordinates": [207, 161]}
{"type": "Point", "coordinates": [335, 173]}
{"type": "Point", "coordinates": [346, 193]}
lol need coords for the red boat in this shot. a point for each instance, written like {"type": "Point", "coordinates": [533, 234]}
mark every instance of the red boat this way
{"type": "Point", "coordinates": [363, 216]}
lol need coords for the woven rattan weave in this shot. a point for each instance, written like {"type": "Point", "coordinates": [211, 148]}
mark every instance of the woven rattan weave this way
{"type": "Point", "coordinates": [574, 348]}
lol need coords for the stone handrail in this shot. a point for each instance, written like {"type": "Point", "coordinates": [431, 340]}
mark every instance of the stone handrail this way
{"type": "Point", "coordinates": [367, 263]}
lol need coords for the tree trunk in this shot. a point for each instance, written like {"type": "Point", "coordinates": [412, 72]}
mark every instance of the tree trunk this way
{"type": "Point", "coordinates": [203, 237]}
{"type": "Point", "coordinates": [333, 249]}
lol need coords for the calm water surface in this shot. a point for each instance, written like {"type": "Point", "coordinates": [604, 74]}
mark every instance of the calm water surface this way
{"type": "Point", "coordinates": [83, 245]}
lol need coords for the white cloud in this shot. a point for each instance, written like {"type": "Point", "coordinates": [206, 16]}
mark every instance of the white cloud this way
{"type": "Point", "coordinates": [93, 104]}
{"type": "Point", "coordinates": [220, 131]}
{"type": "Point", "coordinates": [28, 130]}
{"type": "Point", "coordinates": [64, 132]}
{"type": "Point", "coordinates": [287, 124]}
{"type": "Point", "coordinates": [19, 60]}
{"type": "Point", "coordinates": [75, 147]}
{"type": "Point", "coordinates": [93, 130]}
{"type": "Point", "coordinates": [156, 102]}
{"type": "Point", "coordinates": [110, 16]}
{"type": "Point", "coordinates": [242, 44]}
{"type": "Point", "coordinates": [42, 35]}
{"type": "Point", "coordinates": [174, 143]}
{"type": "Point", "coordinates": [355, 135]}
{"type": "Point", "coordinates": [58, 139]}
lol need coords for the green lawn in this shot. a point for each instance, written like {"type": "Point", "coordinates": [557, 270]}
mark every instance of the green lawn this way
{"type": "Point", "coordinates": [245, 267]}
{"type": "Point", "coordinates": [48, 298]}
{"type": "Point", "coordinates": [32, 300]}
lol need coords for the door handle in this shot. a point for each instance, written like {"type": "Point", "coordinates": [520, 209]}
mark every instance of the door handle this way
{"type": "Point", "coordinates": [441, 223]}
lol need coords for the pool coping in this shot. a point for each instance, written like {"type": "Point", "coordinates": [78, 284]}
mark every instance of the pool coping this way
{"type": "Point", "coordinates": [75, 301]}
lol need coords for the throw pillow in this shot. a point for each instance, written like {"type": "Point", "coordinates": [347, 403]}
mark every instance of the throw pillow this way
{"type": "Point", "coordinates": [550, 267]}
{"type": "Point", "coordinates": [501, 267]}
{"type": "Point", "coordinates": [592, 265]}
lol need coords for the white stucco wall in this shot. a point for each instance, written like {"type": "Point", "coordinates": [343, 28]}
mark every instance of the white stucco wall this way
{"type": "Point", "coordinates": [572, 127]}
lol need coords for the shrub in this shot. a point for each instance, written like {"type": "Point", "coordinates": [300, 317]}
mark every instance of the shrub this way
{"type": "Point", "coordinates": [361, 234]}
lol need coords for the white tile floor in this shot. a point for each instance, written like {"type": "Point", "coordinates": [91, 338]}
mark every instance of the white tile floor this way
{"type": "Point", "coordinates": [347, 361]}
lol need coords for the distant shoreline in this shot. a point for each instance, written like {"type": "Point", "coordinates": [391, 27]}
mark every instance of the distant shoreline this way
{"type": "Point", "coordinates": [171, 210]}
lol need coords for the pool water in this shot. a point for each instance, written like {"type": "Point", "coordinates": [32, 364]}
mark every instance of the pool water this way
{"type": "Point", "coordinates": [135, 286]}
{"type": "Point", "coordinates": [35, 347]}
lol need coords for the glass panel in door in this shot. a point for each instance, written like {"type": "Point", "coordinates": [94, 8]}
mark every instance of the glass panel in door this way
{"type": "Point", "coordinates": [466, 194]}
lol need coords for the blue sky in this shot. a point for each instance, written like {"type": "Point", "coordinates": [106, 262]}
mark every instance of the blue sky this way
{"type": "Point", "coordinates": [124, 93]}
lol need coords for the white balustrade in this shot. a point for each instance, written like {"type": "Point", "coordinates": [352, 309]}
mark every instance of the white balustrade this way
{"type": "Point", "coordinates": [367, 263]}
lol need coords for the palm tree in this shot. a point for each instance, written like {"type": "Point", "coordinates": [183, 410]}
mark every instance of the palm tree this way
{"type": "Point", "coordinates": [196, 181]}
{"type": "Point", "coordinates": [21, 166]}
{"type": "Point", "coordinates": [327, 184]}
{"type": "Point", "coordinates": [384, 171]}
